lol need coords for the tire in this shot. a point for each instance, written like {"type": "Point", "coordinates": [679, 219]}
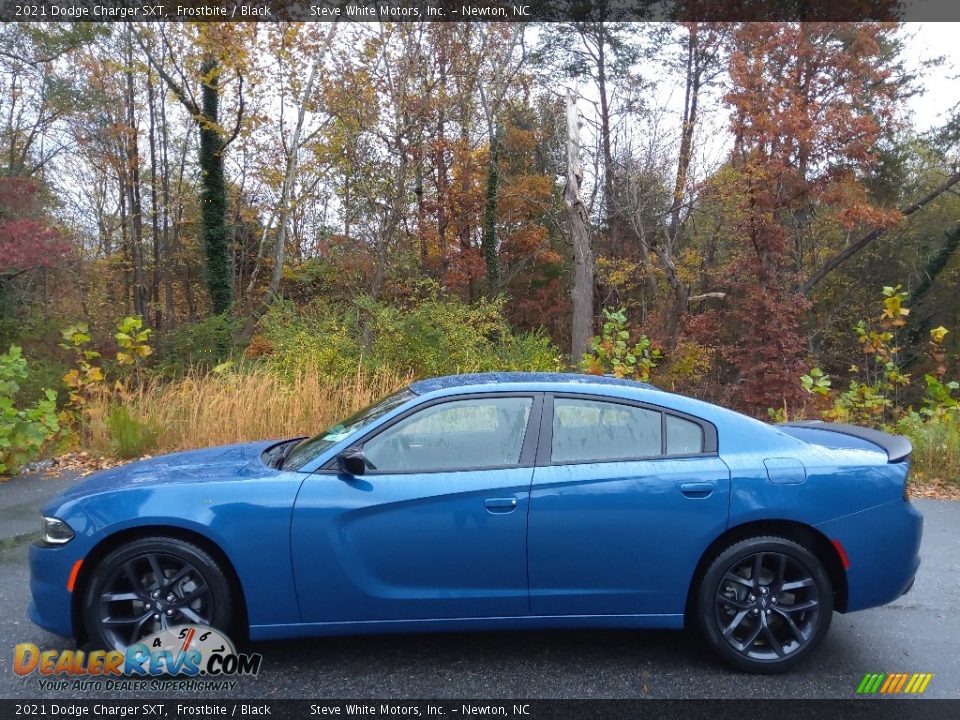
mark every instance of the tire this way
{"type": "Point", "coordinates": [769, 623]}
{"type": "Point", "coordinates": [124, 588]}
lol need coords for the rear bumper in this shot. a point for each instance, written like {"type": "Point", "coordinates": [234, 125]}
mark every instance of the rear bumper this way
{"type": "Point", "coordinates": [883, 546]}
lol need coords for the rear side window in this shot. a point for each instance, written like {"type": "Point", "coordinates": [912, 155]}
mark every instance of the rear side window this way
{"type": "Point", "coordinates": [683, 436]}
{"type": "Point", "coordinates": [598, 431]}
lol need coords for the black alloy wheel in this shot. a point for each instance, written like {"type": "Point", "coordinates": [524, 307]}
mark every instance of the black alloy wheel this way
{"type": "Point", "coordinates": [151, 584]}
{"type": "Point", "coordinates": [764, 604]}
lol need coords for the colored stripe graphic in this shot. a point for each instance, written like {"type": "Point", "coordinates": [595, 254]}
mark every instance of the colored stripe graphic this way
{"type": "Point", "coordinates": [903, 681]}
{"type": "Point", "coordinates": [891, 680]}
{"type": "Point", "coordinates": [894, 683]}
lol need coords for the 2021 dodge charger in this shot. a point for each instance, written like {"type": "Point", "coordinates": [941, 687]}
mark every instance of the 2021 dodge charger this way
{"type": "Point", "coordinates": [507, 500]}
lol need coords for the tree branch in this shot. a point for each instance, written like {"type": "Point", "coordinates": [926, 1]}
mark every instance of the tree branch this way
{"type": "Point", "coordinates": [852, 249]}
{"type": "Point", "coordinates": [174, 86]}
{"type": "Point", "coordinates": [236, 127]}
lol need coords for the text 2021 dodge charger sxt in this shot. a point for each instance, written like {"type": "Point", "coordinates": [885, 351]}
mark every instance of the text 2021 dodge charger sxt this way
{"type": "Point", "coordinates": [509, 500]}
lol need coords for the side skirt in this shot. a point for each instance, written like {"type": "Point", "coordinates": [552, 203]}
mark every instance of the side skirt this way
{"type": "Point", "coordinates": [529, 622]}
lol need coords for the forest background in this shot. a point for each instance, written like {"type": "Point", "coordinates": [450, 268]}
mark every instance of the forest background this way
{"type": "Point", "coordinates": [216, 232]}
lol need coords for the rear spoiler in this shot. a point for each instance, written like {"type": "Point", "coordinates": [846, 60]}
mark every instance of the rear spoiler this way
{"type": "Point", "coordinates": [897, 447]}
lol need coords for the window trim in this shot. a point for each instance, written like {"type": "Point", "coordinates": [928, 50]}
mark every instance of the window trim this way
{"type": "Point", "coordinates": [528, 451]}
{"type": "Point", "coordinates": [545, 447]}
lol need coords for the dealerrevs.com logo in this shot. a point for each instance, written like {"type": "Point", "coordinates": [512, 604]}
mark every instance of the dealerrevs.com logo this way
{"type": "Point", "coordinates": [183, 652]}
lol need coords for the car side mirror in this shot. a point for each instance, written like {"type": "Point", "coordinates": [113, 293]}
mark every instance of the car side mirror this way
{"type": "Point", "coordinates": [352, 461]}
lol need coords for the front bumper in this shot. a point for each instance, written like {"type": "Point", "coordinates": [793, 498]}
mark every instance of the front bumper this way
{"type": "Point", "coordinates": [51, 607]}
{"type": "Point", "coordinates": [883, 545]}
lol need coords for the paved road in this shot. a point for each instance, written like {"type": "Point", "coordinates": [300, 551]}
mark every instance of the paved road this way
{"type": "Point", "coordinates": [919, 633]}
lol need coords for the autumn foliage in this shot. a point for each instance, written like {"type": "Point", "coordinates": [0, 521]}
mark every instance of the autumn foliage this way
{"type": "Point", "coordinates": [27, 237]}
{"type": "Point", "coordinates": [315, 202]}
{"type": "Point", "coordinates": [810, 102]}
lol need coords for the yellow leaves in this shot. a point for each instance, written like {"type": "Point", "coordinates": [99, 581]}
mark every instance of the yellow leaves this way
{"type": "Point", "coordinates": [938, 334]}
{"type": "Point", "coordinates": [618, 274]}
{"type": "Point", "coordinates": [894, 312]}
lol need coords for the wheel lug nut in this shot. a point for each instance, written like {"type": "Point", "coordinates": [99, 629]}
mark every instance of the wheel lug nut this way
{"type": "Point", "coordinates": [169, 612]}
{"type": "Point", "coordinates": [156, 617]}
{"type": "Point", "coordinates": [755, 611]}
{"type": "Point", "coordinates": [170, 597]}
{"type": "Point", "coordinates": [147, 606]}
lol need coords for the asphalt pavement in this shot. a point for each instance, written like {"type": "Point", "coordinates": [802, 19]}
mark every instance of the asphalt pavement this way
{"type": "Point", "coordinates": [918, 633]}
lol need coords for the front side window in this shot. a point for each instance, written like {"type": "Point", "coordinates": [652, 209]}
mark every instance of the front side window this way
{"type": "Point", "coordinates": [458, 435]}
{"type": "Point", "coordinates": [598, 431]}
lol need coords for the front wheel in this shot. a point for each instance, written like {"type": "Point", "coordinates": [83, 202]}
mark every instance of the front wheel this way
{"type": "Point", "coordinates": [764, 604]}
{"type": "Point", "coordinates": [150, 584]}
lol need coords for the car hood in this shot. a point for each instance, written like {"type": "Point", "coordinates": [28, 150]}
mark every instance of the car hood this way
{"type": "Point", "coordinates": [227, 462]}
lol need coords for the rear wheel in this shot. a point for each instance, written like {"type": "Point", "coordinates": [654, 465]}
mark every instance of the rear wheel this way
{"type": "Point", "coordinates": [150, 584]}
{"type": "Point", "coordinates": [764, 604]}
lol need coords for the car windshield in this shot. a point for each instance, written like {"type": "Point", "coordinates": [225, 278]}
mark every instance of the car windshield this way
{"type": "Point", "coordinates": [307, 450]}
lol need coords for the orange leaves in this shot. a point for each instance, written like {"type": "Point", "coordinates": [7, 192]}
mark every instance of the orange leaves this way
{"type": "Point", "coordinates": [810, 102]}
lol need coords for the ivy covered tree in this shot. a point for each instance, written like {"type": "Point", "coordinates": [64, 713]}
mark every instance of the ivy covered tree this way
{"type": "Point", "coordinates": [219, 53]}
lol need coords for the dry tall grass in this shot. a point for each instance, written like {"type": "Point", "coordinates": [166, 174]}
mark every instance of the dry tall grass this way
{"type": "Point", "coordinates": [202, 410]}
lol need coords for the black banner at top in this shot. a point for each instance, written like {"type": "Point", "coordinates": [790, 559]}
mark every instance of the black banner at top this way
{"type": "Point", "coordinates": [477, 10]}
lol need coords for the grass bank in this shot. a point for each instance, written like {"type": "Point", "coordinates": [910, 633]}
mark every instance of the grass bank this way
{"type": "Point", "coordinates": [206, 409]}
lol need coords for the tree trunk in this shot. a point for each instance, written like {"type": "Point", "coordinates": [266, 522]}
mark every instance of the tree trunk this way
{"type": "Point", "coordinates": [582, 295]}
{"type": "Point", "coordinates": [609, 190]}
{"type": "Point", "coordinates": [158, 268]}
{"type": "Point", "coordinates": [133, 187]}
{"type": "Point", "coordinates": [169, 251]}
{"type": "Point", "coordinates": [124, 235]}
{"type": "Point", "coordinates": [690, 101]}
{"type": "Point", "coordinates": [488, 241]}
{"type": "Point", "coordinates": [213, 193]}
{"type": "Point", "coordinates": [665, 252]}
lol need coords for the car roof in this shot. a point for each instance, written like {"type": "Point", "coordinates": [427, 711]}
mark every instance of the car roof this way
{"type": "Point", "coordinates": [498, 378]}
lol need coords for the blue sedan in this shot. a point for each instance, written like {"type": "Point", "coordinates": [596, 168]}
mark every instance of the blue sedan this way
{"type": "Point", "coordinates": [496, 501]}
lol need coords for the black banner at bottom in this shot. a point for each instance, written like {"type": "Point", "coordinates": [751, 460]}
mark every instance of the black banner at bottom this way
{"type": "Point", "coordinates": [254, 709]}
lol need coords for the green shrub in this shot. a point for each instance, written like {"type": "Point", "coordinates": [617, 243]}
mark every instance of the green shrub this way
{"type": "Point", "coordinates": [320, 337]}
{"type": "Point", "coordinates": [203, 345]}
{"type": "Point", "coordinates": [43, 373]}
{"type": "Point", "coordinates": [440, 337]}
{"type": "Point", "coordinates": [611, 352]}
{"type": "Point", "coordinates": [23, 432]}
{"type": "Point", "coordinates": [433, 337]}
{"type": "Point", "coordinates": [936, 444]}
{"type": "Point", "coordinates": [129, 436]}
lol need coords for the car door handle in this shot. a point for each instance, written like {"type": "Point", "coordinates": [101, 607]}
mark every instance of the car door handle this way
{"type": "Point", "coordinates": [697, 490]}
{"type": "Point", "coordinates": [500, 505]}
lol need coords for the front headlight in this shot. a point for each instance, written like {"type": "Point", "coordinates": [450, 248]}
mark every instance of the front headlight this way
{"type": "Point", "coordinates": [55, 531]}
